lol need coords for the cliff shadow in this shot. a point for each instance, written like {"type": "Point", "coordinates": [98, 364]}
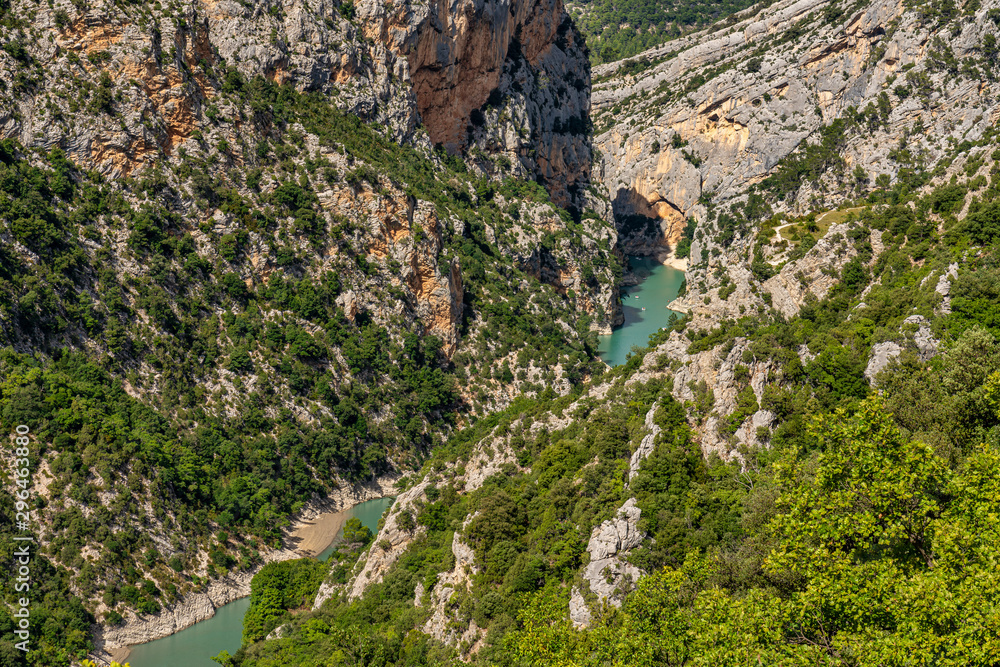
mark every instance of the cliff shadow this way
{"type": "Point", "coordinates": [539, 114]}
{"type": "Point", "coordinates": [646, 227]}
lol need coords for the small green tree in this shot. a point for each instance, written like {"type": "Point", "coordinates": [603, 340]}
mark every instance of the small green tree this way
{"type": "Point", "coordinates": [356, 532]}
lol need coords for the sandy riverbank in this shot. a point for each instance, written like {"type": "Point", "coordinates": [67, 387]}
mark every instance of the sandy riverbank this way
{"type": "Point", "coordinates": [312, 537]}
{"type": "Point", "coordinates": [120, 654]}
{"type": "Point", "coordinates": [679, 263]}
{"type": "Point", "coordinates": [667, 258]}
{"type": "Point", "coordinates": [312, 531]}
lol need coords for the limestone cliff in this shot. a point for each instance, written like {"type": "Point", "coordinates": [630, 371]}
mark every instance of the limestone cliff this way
{"type": "Point", "coordinates": [795, 136]}
{"type": "Point", "coordinates": [756, 127]}
{"type": "Point", "coordinates": [715, 112]}
{"type": "Point", "coordinates": [249, 223]}
{"type": "Point", "coordinates": [508, 76]}
{"type": "Point", "coordinates": [437, 66]}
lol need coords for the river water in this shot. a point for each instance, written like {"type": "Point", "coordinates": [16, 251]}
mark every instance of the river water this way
{"type": "Point", "coordinates": [369, 512]}
{"type": "Point", "coordinates": [659, 286]}
{"type": "Point", "coordinates": [194, 646]}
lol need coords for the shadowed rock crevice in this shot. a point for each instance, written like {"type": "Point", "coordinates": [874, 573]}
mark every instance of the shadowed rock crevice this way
{"type": "Point", "coordinates": [535, 122]}
{"type": "Point", "coordinates": [507, 82]}
{"type": "Point", "coordinates": [646, 226]}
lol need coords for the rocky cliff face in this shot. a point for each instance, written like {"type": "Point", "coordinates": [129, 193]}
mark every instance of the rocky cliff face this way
{"type": "Point", "coordinates": [411, 238]}
{"type": "Point", "coordinates": [795, 136]}
{"type": "Point", "coordinates": [259, 226]}
{"type": "Point", "coordinates": [164, 71]}
{"type": "Point", "coordinates": [510, 77]}
{"type": "Point", "coordinates": [712, 113]}
{"type": "Point", "coordinates": [798, 108]}
{"type": "Point", "coordinates": [440, 66]}
{"type": "Point", "coordinates": [608, 576]}
{"type": "Point", "coordinates": [538, 116]}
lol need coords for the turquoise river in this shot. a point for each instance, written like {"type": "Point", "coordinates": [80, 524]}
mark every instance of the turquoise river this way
{"type": "Point", "coordinates": [194, 646]}
{"type": "Point", "coordinates": [645, 307]}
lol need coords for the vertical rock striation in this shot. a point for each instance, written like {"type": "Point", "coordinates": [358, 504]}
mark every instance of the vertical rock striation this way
{"type": "Point", "coordinates": [508, 77]}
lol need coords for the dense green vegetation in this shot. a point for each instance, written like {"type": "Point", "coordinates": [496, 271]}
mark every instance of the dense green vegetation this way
{"type": "Point", "coordinates": [278, 588]}
{"type": "Point", "coordinates": [176, 391]}
{"type": "Point", "coordinates": [620, 29]}
{"type": "Point", "coordinates": [877, 553]}
{"type": "Point", "coordinates": [845, 544]}
{"type": "Point", "coordinates": [863, 534]}
{"type": "Point", "coordinates": [165, 388]}
{"type": "Point", "coordinates": [60, 622]}
{"type": "Point", "coordinates": [531, 528]}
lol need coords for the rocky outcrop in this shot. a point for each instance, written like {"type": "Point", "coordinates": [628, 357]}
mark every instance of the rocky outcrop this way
{"type": "Point", "coordinates": [388, 545]}
{"type": "Point", "coordinates": [393, 539]}
{"type": "Point", "coordinates": [943, 288]}
{"type": "Point", "coordinates": [709, 385]}
{"type": "Point", "coordinates": [923, 338]}
{"type": "Point", "coordinates": [409, 235]}
{"type": "Point", "coordinates": [608, 575]}
{"type": "Point", "coordinates": [717, 111]}
{"type": "Point", "coordinates": [814, 274]}
{"type": "Point", "coordinates": [484, 464]}
{"type": "Point", "coordinates": [880, 356]}
{"type": "Point", "coordinates": [440, 625]}
{"type": "Point", "coordinates": [916, 333]}
{"type": "Point", "coordinates": [646, 445]}
{"type": "Point", "coordinates": [579, 613]}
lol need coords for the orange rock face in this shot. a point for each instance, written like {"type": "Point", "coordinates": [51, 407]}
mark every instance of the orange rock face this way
{"type": "Point", "coordinates": [408, 231]}
{"type": "Point", "coordinates": [505, 77]}
{"type": "Point", "coordinates": [459, 57]}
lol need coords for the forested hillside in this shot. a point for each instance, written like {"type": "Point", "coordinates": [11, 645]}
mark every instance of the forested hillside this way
{"type": "Point", "coordinates": [800, 471]}
{"type": "Point", "coordinates": [258, 259]}
{"type": "Point", "coordinates": [237, 282]}
{"type": "Point", "coordinates": [620, 29]}
{"type": "Point", "coordinates": [862, 532]}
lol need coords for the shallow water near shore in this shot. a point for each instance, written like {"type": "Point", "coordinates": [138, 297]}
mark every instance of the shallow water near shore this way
{"type": "Point", "coordinates": [194, 646]}
{"type": "Point", "coordinates": [369, 512]}
{"type": "Point", "coordinates": [659, 286]}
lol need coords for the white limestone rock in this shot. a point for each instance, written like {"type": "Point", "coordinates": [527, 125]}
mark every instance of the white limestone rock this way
{"type": "Point", "coordinates": [579, 612]}
{"type": "Point", "coordinates": [608, 574]}
{"type": "Point", "coordinates": [880, 356]}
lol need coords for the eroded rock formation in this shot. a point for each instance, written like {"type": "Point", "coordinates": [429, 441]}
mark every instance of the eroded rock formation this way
{"type": "Point", "coordinates": [716, 111]}
{"type": "Point", "coordinates": [441, 65]}
{"type": "Point", "coordinates": [608, 575]}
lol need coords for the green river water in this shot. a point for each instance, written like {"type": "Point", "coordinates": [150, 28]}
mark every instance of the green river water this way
{"type": "Point", "coordinates": [194, 646]}
{"type": "Point", "coordinates": [659, 287]}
